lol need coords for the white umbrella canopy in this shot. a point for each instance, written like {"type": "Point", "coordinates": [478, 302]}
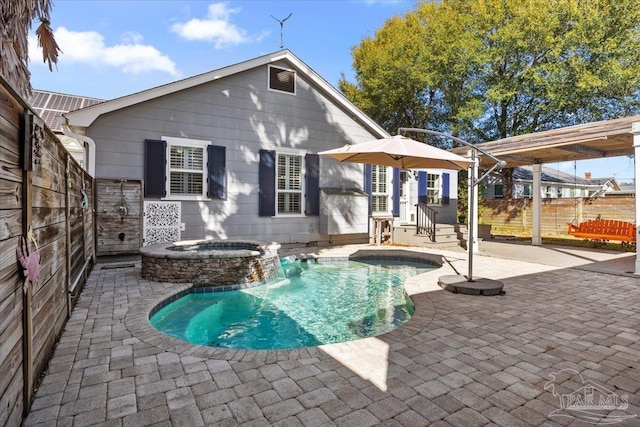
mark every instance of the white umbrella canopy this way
{"type": "Point", "coordinates": [398, 151]}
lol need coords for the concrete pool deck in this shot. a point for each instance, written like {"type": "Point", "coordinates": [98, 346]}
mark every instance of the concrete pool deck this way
{"type": "Point", "coordinates": [570, 317]}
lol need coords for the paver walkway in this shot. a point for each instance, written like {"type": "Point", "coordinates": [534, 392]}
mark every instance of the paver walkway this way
{"type": "Point", "coordinates": [460, 361]}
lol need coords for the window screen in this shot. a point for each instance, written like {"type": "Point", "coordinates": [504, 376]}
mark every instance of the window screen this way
{"type": "Point", "coordinates": [282, 80]}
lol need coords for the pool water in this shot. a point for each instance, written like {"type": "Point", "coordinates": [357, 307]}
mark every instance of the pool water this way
{"type": "Point", "coordinates": [318, 304]}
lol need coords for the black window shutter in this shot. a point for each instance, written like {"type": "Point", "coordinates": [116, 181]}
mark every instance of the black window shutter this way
{"type": "Point", "coordinates": [217, 172]}
{"type": "Point", "coordinates": [422, 187]}
{"type": "Point", "coordinates": [312, 184]}
{"type": "Point", "coordinates": [155, 164]}
{"type": "Point", "coordinates": [395, 209]}
{"type": "Point", "coordinates": [267, 183]}
{"type": "Point", "coordinates": [368, 185]}
{"type": "Point", "coordinates": [445, 189]}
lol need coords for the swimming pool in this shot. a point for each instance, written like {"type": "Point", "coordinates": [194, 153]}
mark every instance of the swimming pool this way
{"type": "Point", "coordinates": [319, 303]}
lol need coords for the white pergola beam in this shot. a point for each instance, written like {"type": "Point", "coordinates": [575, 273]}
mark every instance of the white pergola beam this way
{"type": "Point", "coordinates": [635, 130]}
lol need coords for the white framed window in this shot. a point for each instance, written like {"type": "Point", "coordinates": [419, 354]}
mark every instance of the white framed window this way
{"type": "Point", "coordinates": [186, 168]}
{"type": "Point", "coordinates": [527, 191]}
{"type": "Point", "coordinates": [379, 189]}
{"type": "Point", "coordinates": [550, 192]}
{"type": "Point", "coordinates": [497, 191]}
{"type": "Point", "coordinates": [434, 189]}
{"type": "Point", "coordinates": [289, 188]}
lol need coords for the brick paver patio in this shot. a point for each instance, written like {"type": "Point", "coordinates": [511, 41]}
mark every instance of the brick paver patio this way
{"type": "Point", "coordinates": [460, 361]}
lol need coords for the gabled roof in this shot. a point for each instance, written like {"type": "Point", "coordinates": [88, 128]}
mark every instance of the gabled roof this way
{"type": "Point", "coordinates": [51, 105]}
{"type": "Point", "coordinates": [84, 117]}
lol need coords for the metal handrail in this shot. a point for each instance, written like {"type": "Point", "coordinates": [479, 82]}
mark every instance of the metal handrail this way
{"type": "Point", "coordinates": [426, 221]}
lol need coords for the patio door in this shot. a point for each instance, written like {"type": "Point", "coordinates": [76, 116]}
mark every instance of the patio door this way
{"type": "Point", "coordinates": [406, 204]}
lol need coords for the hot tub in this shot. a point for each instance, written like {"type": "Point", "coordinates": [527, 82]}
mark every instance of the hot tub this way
{"type": "Point", "coordinates": [211, 263]}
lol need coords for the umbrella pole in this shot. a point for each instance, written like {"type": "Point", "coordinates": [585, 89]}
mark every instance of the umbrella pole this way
{"type": "Point", "coordinates": [471, 191]}
{"type": "Point", "coordinates": [456, 283]}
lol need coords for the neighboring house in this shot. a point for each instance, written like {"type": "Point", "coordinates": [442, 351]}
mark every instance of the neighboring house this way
{"type": "Point", "coordinates": [555, 184]}
{"type": "Point", "coordinates": [51, 105]}
{"type": "Point", "coordinates": [232, 154]}
{"type": "Point", "coordinates": [627, 189]}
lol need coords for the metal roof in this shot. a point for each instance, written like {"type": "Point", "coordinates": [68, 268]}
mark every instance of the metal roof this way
{"type": "Point", "coordinates": [51, 105]}
{"type": "Point", "coordinates": [595, 140]}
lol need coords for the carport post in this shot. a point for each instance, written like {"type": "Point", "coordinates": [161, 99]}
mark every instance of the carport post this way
{"type": "Point", "coordinates": [536, 232]}
{"type": "Point", "coordinates": [635, 130]}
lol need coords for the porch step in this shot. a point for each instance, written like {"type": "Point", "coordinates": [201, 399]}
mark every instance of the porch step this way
{"type": "Point", "coordinates": [447, 236]}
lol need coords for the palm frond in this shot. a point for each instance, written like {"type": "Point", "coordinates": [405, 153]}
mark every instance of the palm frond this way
{"type": "Point", "coordinates": [16, 18]}
{"type": "Point", "coordinates": [46, 40]}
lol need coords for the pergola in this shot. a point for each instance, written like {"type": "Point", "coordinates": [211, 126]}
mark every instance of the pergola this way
{"type": "Point", "coordinates": [609, 138]}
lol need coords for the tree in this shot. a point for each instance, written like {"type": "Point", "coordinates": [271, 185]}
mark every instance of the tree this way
{"type": "Point", "coordinates": [484, 70]}
{"type": "Point", "coordinates": [16, 17]}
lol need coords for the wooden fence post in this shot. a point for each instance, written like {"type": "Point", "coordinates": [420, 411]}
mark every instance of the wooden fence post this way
{"type": "Point", "coordinates": [27, 215]}
{"type": "Point", "coordinates": [67, 221]}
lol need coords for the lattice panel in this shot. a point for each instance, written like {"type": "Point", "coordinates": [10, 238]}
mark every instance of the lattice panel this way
{"type": "Point", "coordinates": [161, 222]}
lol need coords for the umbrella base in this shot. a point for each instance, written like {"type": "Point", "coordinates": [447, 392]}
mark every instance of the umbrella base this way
{"type": "Point", "coordinates": [459, 284]}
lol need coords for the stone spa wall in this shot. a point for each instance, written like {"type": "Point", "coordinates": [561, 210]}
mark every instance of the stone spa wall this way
{"type": "Point", "coordinates": [208, 263]}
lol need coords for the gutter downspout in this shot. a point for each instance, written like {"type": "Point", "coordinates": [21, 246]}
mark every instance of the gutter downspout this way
{"type": "Point", "coordinates": [90, 150]}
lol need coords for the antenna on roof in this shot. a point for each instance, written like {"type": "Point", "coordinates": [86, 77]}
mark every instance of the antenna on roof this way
{"type": "Point", "coordinates": [281, 21]}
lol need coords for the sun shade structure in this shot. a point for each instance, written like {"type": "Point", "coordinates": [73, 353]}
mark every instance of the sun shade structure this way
{"type": "Point", "coordinates": [399, 151]}
{"type": "Point", "coordinates": [608, 138]}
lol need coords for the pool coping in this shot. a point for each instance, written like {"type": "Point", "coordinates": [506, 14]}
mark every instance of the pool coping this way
{"type": "Point", "coordinates": [137, 318]}
{"type": "Point", "coordinates": [225, 249]}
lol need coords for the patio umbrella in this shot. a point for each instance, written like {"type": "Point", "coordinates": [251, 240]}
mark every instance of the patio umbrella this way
{"type": "Point", "coordinates": [398, 151]}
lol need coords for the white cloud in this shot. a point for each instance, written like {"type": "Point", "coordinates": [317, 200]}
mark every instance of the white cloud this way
{"type": "Point", "coordinates": [131, 37]}
{"type": "Point", "coordinates": [215, 27]}
{"type": "Point", "coordinates": [88, 47]}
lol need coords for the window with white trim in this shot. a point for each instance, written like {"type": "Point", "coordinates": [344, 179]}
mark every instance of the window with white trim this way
{"type": "Point", "coordinates": [550, 192]}
{"type": "Point", "coordinates": [186, 167]}
{"type": "Point", "coordinates": [289, 184]}
{"type": "Point", "coordinates": [528, 191]}
{"type": "Point", "coordinates": [282, 80]}
{"type": "Point", "coordinates": [434, 189]}
{"type": "Point", "coordinates": [379, 189]}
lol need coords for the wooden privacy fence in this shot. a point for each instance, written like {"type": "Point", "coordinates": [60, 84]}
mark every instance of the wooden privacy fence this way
{"type": "Point", "coordinates": [514, 216]}
{"type": "Point", "coordinates": [45, 200]}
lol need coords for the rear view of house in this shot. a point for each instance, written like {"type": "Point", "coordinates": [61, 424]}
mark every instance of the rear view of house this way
{"type": "Point", "coordinates": [232, 154]}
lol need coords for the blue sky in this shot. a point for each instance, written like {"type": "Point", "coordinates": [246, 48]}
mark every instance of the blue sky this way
{"type": "Point", "coordinates": [113, 48]}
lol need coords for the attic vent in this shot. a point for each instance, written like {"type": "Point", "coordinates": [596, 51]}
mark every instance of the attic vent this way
{"type": "Point", "coordinates": [282, 80]}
